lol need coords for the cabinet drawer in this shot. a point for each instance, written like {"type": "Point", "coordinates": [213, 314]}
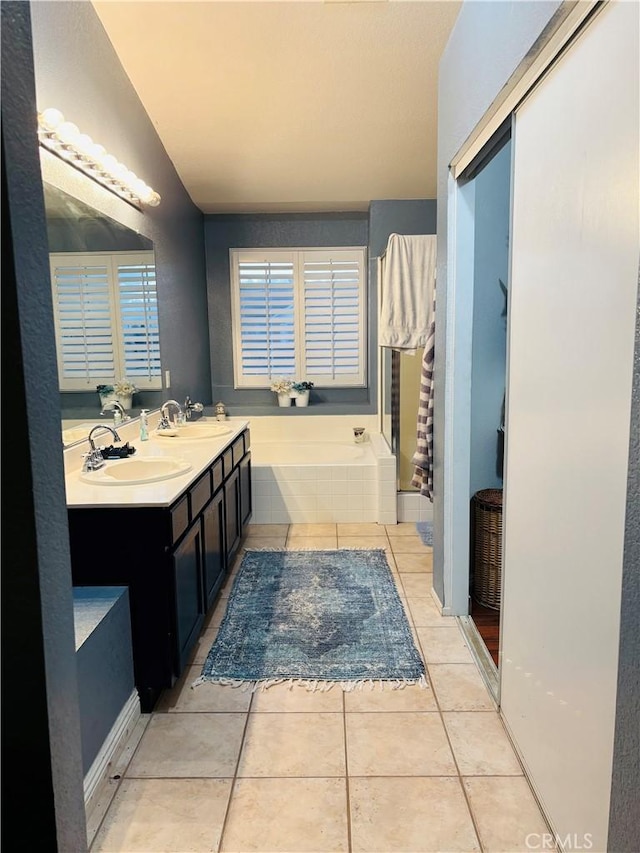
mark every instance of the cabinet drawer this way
{"type": "Point", "coordinates": [218, 475]}
{"type": "Point", "coordinates": [200, 494]}
{"type": "Point", "coordinates": [247, 439]}
{"type": "Point", "coordinates": [179, 518]}
{"type": "Point", "coordinates": [238, 450]}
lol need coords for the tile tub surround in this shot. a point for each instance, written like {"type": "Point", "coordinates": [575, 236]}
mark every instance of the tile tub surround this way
{"type": "Point", "coordinates": [357, 490]}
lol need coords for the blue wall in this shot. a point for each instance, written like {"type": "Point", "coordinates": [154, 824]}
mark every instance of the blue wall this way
{"type": "Point", "coordinates": [261, 231]}
{"type": "Point", "coordinates": [489, 353]}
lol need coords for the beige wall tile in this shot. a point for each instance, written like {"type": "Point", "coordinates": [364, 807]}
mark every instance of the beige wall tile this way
{"type": "Point", "coordinates": [411, 814]}
{"type": "Point", "coordinates": [399, 744]}
{"type": "Point", "coordinates": [292, 815]}
{"type": "Point", "coordinates": [166, 815]}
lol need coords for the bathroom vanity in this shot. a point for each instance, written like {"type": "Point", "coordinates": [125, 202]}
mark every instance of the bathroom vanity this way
{"type": "Point", "coordinates": [171, 543]}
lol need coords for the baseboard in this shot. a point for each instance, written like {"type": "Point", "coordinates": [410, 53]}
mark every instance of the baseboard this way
{"type": "Point", "coordinates": [435, 597]}
{"type": "Point", "coordinates": [120, 731]}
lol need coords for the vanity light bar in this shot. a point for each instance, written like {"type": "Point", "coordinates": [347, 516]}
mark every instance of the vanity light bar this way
{"type": "Point", "coordinates": [65, 139]}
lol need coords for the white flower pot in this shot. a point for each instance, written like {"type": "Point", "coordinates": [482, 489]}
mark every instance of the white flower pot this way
{"type": "Point", "coordinates": [302, 398]}
{"type": "Point", "coordinates": [284, 399]}
{"type": "Point", "coordinates": [125, 401]}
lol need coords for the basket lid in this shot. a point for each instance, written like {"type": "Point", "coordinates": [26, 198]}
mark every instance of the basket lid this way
{"type": "Point", "coordinates": [489, 496]}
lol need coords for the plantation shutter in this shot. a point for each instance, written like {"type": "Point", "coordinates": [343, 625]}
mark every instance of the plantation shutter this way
{"type": "Point", "coordinates": [139, 328]}
{"type": "Point", "coordinates": [264, 317]}
{"type": "Point", "coordinates": [333, 317]}
{"type": "Point", "coordinates": [84, 313]}
{"type": "Point", "coordinates": [106, 317]}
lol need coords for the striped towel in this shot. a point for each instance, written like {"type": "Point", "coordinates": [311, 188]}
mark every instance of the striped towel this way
{"type": "Point", "coordinates": [423, 457]}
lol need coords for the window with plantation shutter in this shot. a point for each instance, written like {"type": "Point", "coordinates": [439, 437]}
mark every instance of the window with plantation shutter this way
{"type": "Point", "coordinates": [106, 317]}
{"type": "Point", "coordinates": [298, 314]}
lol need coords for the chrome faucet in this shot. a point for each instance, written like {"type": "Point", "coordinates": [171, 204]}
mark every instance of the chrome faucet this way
{"type": "Point", "coordinates": [190, 407]}
{"type": "Point", "coordinates": [118, 409]}
{"type": "Point", "coordinates": [94, 459]}
{"type": "Point", "coordinates": [165, 423]}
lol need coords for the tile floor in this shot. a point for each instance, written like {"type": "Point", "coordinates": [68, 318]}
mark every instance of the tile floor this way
{"type": "Point", "coordinates": [217, 769]}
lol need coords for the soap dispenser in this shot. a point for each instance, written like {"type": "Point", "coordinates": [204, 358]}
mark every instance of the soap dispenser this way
{"type": "Point", "coordinates": [144, 425]}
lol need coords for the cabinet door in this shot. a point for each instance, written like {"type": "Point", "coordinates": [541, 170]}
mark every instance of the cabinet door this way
{"type": "Point", "coordinates": [189, 600]}
{"type": "Point", "coordinates": [245, 489]}
{"type": "Point", "coordinates": [213, 529]}
{"type": "Point", "coordinates": [233, 524]}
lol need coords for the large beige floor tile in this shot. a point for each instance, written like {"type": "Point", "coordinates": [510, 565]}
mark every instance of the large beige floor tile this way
{"type": "Point", "coordinates": [424, 613]}
{"type": "Point", "coordinates": [361, 529]}
{"type": "Point", "coordinates": [506, 813]}
{"type": "Point", "coordinates": [409, 698]}
{"type": "Point", "coordinates": [409, 545]}
{"type": "Point", "coordinates": [411, 815]}
{"type": "Point", "coordinates": [164, 816]}
{"type": "Point", "coordinates": [297, 530]}
{"type": "Point", "coordinates": [269, 530]}
{"type": "Point", "coordinates": [416, 584]}
{"type": "Point", "coordinates": [264, 542]}
{"type": "Point", "coordinates": [400, 744]}
{"type": "Point", "coordinates": [363, 542]}
{"type": "Point", "coordinates": [402, 528]}
{"type": "Point", "coordinates": [216, 615]}
{"type": "Point", "coordinates": [287, 816]}
{"type": "Point", "coordinates": [312, 543]}
{"type": "Point", "coordinates": [480, 744]}
{"type": "Point", "coordinates": [444, 645]}
{"type": "Point", "coordinates": [194, 745]}
{"type": "Point", "coordinates": [207, 697]}
{"type": "Point", "coordinates": [459, 687]}
{"type": "Point", "coordinates": [281, 698]}
{"type": "Point", "coordinates": [417, 562]}
{"type": "Point", "coordinates": [293, 744]}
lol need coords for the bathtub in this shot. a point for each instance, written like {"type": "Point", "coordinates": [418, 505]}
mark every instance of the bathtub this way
{"type": "Point", "coordinates": [311, 453]}
{"type": "Point", "coordinates": [307, 480]}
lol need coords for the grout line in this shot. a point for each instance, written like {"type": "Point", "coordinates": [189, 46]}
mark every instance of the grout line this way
{"type": "Point", "coordinates": [346, 774]}
{"type": "Point", "coordinates": [235, 776]}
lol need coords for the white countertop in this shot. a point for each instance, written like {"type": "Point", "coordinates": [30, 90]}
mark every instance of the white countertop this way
{"type": "Point", "coordinates": [199, 452]}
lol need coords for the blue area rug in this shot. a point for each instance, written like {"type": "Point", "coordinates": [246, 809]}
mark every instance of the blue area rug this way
{"type": "Point", "coordinates": [314, 617]}
{"type": "Point", "coordinates": [425, 531]}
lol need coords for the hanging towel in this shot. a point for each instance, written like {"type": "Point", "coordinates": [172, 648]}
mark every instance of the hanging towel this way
{"type": "Point", "coordinates": [423, 457]}
{"type": "Point", "coordinates": [408, 281]}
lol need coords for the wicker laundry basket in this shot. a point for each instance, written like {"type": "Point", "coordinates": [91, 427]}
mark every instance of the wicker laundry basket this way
{"type": "Point", "coordinates": [487, 547]}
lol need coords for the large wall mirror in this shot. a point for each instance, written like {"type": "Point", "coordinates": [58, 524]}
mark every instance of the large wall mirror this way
{"type": "Point", "coordinates": [105, 309]}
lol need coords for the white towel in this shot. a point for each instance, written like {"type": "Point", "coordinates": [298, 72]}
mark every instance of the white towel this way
{"type": "Point", "coordinates": [408, 282]}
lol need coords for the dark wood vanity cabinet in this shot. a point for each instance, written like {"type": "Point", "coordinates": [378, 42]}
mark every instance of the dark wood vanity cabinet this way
{"type": "Point", "coordinates": [174, 561]}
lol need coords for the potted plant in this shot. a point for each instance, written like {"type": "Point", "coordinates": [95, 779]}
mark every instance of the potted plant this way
{"type": "Point", "coordinates": [282, 387]}
{"type": "Point", "coordinates": [124, 391]}
{"type": "Point", "coordinates": [107, 394]}
{"type": "Point", "coordinates": [300, 391]}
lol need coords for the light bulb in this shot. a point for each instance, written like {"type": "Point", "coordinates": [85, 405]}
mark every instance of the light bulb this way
{"type": "Point", "coordinates": [68, 133]}
{"type": "Point", "coordinates": [52, 118]}
{"type": "Point", "coordinates": [84, 144]}
{"type": "Point", "coordinates": [108, 163]}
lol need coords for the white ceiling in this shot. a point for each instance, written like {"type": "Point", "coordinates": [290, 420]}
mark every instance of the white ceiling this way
{"type": "Point", "coordinates": [289, 106]}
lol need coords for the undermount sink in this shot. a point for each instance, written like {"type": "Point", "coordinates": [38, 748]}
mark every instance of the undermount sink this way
{"type": "Point", "coordinates": [189, 432]}
{"type": "Point", "coordinates": [134, 472]}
